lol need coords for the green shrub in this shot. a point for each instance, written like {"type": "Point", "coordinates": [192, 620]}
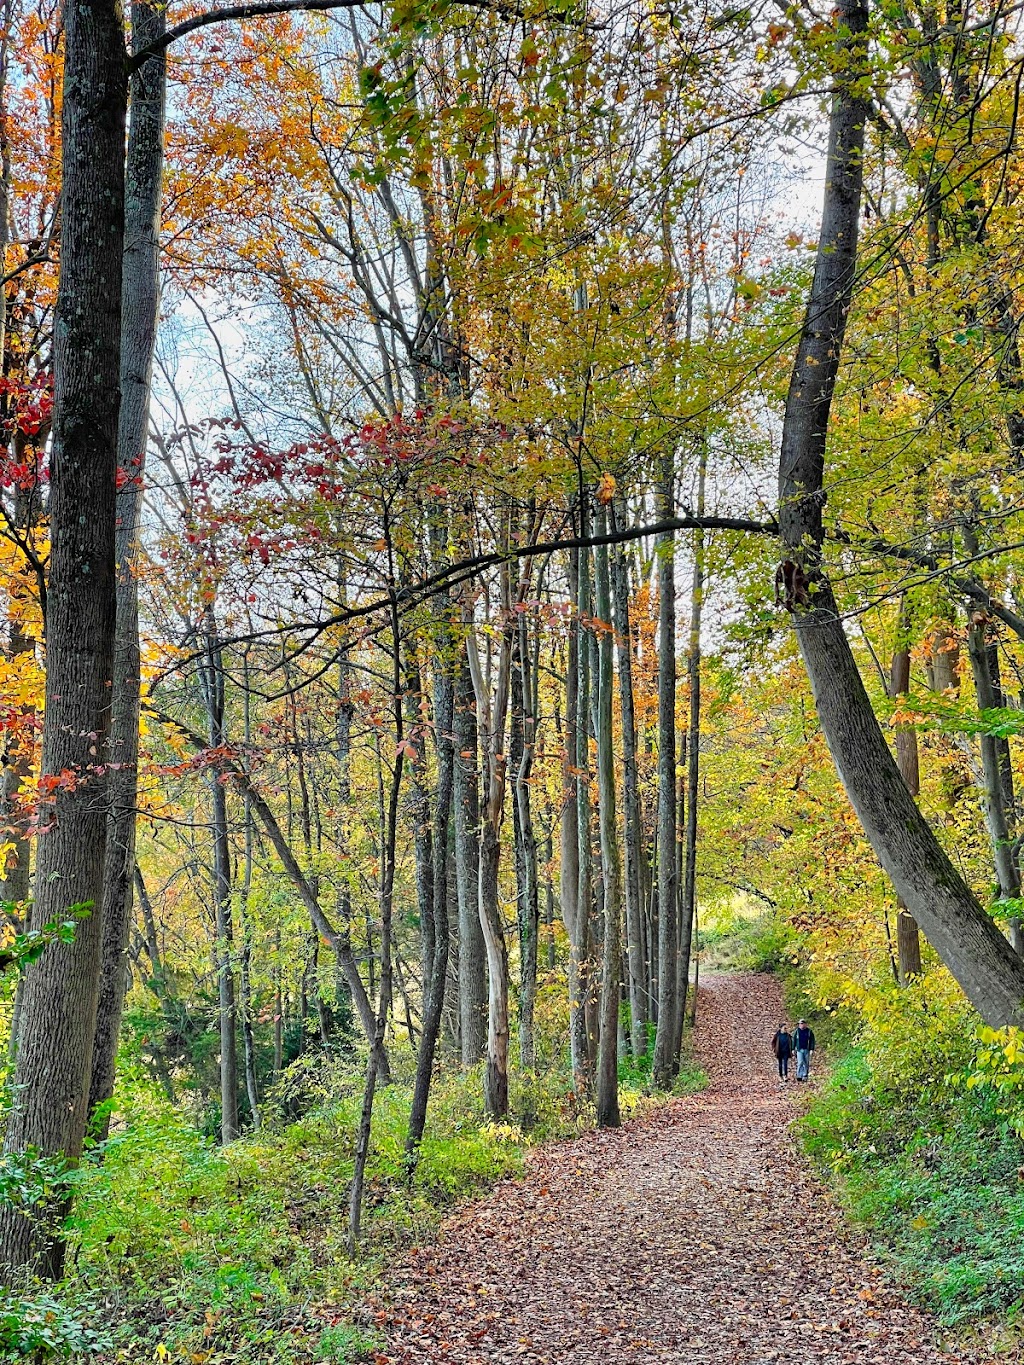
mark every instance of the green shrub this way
{"type": "Point", "coordinates": [929, 1165]}
{"type": "Point", "coordinates": [42, 1326]}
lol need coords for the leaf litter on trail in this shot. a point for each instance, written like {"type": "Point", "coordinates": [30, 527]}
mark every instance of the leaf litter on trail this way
{"type": "Point", "coordinates": [696, 1235]}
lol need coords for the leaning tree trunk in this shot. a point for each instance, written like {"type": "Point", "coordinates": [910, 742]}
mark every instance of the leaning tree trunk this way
{"type": "Point", "coordinates": [140, 307]}
{"type": "Point", "coordinates": [980, 958]}
{"type": "Point", "coordinates": [611, 869]}
{"type": "Point", "coordinates": [58, 1018]}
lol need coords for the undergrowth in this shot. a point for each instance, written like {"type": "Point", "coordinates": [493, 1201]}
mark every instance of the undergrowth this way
{"type": "Point", "coordinates": [182, 1250]}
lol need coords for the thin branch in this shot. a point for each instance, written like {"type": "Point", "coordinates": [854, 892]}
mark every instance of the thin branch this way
{"type": "Point", "coordinates": [232, 13]}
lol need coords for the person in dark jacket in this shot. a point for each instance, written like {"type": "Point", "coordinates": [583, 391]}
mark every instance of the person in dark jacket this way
{"type": "Point", "coordinates": [803, 1046]}
{"type": "Point", "coordinates": [782, 1046]}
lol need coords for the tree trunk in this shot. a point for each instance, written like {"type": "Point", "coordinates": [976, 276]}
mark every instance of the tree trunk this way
{"type": "Point", "coordinates": [472, 954]}
{"type": "Point", "coordinates": [584, 856]}
{"type": "Point", "coordinates": [611, 870]}
{"type": "Point", "coordinates": [987, 968]}
{"type": "Point", "coordinates": [569, 838]}
{"type": "Point", "coordinates": [492, 713]}
{"type": "Point", "coordinates": [245, 979]}
{"type": "Point", "coordinates": [908, 939]}
{"type": "Point", "coordinates": [689, 895]}
{"type": "Point", "coordinates": [668, 876]}
{"type": "Point", "coordinates": [997, 776]}
{"type": "Point", "coordinates": [434, 983]}
{"type": "Point", "coordinates": [341, 939]}
{"type": "Point", "coordinates": [387, 895]}
{"type": "Point", "coordinates": [58, 1021]}
{"type": "Point", "coordinates": [529, 896]}
{"type": "Point", "coordinates": [140, 308]}
{"type": "Point", "coordinates": [227, 1013]}
{"type": "Point", "coordinates": [630, 795]}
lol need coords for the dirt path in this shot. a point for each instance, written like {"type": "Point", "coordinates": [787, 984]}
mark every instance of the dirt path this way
{"type": "Point", "coordinates": [689, 1236]}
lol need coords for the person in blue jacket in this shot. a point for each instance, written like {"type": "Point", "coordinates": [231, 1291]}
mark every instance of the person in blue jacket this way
{"type": "Point", "coordinates": [782, 1046]}
{"type": "Point", "coordinates": [803, 1046]}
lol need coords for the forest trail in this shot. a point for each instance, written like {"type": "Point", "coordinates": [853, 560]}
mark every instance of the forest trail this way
{"type": "Point", "coordinates": [694, 1235]}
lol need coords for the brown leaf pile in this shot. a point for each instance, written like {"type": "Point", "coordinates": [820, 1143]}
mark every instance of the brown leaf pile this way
{"type": "Point", "coordinates": [695, 1235]}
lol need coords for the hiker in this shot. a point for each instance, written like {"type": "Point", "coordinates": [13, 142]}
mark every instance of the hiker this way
{"type": "Point", "coordinates": [803, 1046]}
{"type": "Point", "coordinates": [782, 1046]}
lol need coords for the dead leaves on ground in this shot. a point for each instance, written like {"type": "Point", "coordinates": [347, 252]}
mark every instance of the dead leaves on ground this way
{"type": "Point", "coordinates": [694, 1235]}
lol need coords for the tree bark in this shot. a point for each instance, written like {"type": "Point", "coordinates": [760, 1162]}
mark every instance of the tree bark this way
{"type": "Point", "coordinates": [492, 713]}
{"type": "Point", "coordinates": [569, 838]}
{"type": "Point", "coordinates": [529, 895]}
{"type": "Point", "coordinates": [387, 896]}
{"type": "Point", "coordinates": [987, 968]}
{"type": "Point", "coordinates": [139, 311]}
{"type": "Point", "coordinates": [908, 938]}
{"type": "Point", "coordinates": [58, 1021]}
{"type": "Point", "coordinates": [472, 954]}
{"type": "Point", "coordinates": [611, 869]}
{"type": "Point", "coordinates": [434, 984]}
{"type": "Point", "coordinates": [668, 875]}
{"type": "Point", "coordinates": [997, 776]}
{"type": "Point", "coordinates": [688, 900]}
{"type": "Point", "coordinates": [584, 855]}
{"type": "Point", "coordinates": [227, 1012]}
{"type": "Point", "coordinates": [630, 795]}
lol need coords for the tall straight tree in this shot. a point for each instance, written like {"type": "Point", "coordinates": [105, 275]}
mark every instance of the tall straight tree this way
{"type": "Point", "coordinates": [968, 941]}
{"type": "Point", "coordinates": [638, 1011]}
{"type": "Point", "coordinates": [668, 872]}
{"type": "Point", "coordinates": [58, 1018]}
{"type": "Point", "coordinates": [140, 306]}
{"type": "Point", "coordinates": [611, 868]}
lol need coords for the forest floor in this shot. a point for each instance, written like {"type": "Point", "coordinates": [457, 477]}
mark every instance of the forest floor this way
{"type": "Point", "coordinates": [697, 1234]}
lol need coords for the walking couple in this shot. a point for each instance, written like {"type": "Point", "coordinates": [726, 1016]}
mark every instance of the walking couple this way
{"type": "Point", "coordinates": [799, 1043]}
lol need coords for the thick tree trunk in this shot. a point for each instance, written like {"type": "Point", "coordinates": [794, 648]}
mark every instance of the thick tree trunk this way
{"type": "Point", "coordinates": [472, 954]}
{"type": "Point", "coordinates": [611, 869]}
{"type": "Point", "coordinates": [630, 796]}
{"type": "Point", "coordinates": [668, 876]}
{"type": "Point", "coordinates": [987, 968]}
{"type": "Point", "coordinates": [140, 308]}
{"type": "Point", "coordinates": [58, 1021]}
